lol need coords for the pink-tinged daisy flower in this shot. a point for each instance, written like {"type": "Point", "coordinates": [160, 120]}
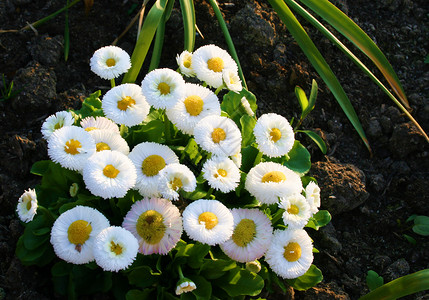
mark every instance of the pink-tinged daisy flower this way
{"type": "Point", "coordinates": [267, 181]}
{"type": "Point", "coordinates": [290, 254]}
{"type": "Point", "coordinates": [163, 88]}
{"type": "Point", "coordinates": [156, 223]}
{"type": "Point", "coordinates": [218, 135]}
{"type": "Point", "coordinates": [109, 174]}
{"type": "Point", "coordinates": [125, 104]}
{"type": "Point", "coordinates": [274, 135]}
{"type": "Point", "coordinates": [251, 237]}
{"type": "Point", "coordinates": [115, 248]}
{"type": "Point", "coordinates": [208, 221]}
{"type": "Point", "coordinates": [109, 62]}
{"type": "Point", "coordinates": [57, 121]}
{"type": "Point", "coordinates": [102, 123]}
{"type": "Point", "coordinates": [71, 147]}
{"type": "Point", "coordinates": [27, 205]}
{"type": "Point", "coordinates": [74, 232]}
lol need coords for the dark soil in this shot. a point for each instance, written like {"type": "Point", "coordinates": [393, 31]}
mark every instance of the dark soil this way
{"type": "Point", "coordinates": [370, 197]}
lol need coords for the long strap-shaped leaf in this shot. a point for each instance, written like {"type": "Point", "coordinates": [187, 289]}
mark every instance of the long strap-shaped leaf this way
{"type": "Point", "coordinates": [147, 33]}
{"type": "Point", "coordinates": [403, 286]}
{"type": "Point", "coordinates": [228, 39]}
{"type": "Point", "coordinates": [318, 63]}
{"type": "Point", "coordinates": [188, 16]}
{"type": "Point", "coordinates": [341, 22]}
{"type": "Point", "coordinates": [295, 6]}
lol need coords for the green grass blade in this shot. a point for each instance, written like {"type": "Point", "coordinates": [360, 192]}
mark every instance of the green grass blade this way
{"type": "Point", "coordinates": [319, 64]}
{"type": "Point", "coordinates": [159, 37]}
{"type": "Point", "coordinates": [357, 36]}
{"type": "Point", "coordinates": [313, 94]}
{"type": "Point", "coordinates": [401, 287]}
{"type": "Point", "coordinates": [188, 15]}
{"type": "Point", "coordinates": [317, 139]}
{"type": "Point", "coordinates": [147, 33]}
{"type": "Point", "coordinates": [356, 60]}
{"type": "Point", "coordinates": [302, 99]}
{"type": "Point", "coordinates": [66, 33]}
{"type": "Point", "coordinates": [228, 40]}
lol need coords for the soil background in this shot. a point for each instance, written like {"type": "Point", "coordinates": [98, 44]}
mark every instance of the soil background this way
{"type": "Point", "coordinates": [369, 197]}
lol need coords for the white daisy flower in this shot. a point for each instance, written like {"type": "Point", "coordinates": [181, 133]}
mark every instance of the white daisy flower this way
{"type": "Point", "coordinates": [209, 61]}
{"type": "Point", "coordinates": [150, 158]}
{"type": "Point", "coordinates": [184, 60]}
{"type": "Point", "coordinates": [109, 62]}
{"type": "Point", "coordinates": [236, 158]}
{"type": "Point", "coordinates": [208, 221]}
{"type": "Point", "coordinates": [27, 205]}
{"type": "Point", "coordinates": [246, 105]}
{"type": "Point", "coordinates": [312, 194]}
{"type": "Point", "coordinates": [175, 177]}
{"type": "Point", "coordinates": [274, 135]}
{"type": "Point", "coordinates": [268, 181]}
{"type": "Point", "coordinates": [125, 104]}
{"type": "Point", "coordinates": [109, 174]}
{"type": "Point", "coordinates": [232, 80]}
{"type": "Point", "coordinates": [94, 123]}
{"type": "Point", "coordinates": [218, 135]}
{"type": "Point", "coordinates": [185, 285]}
{"type": "Point", "coordinates": [109, 140]}
{"type": "Point", "coordinates": [163, 88]}
{"type": "Point", "coordinates": [57, 121]}
{"type": "Point", "coordinates": [251, 237]}
{"type": "Point", "coordinates": [221, 173]}
{"type": "Point", "coordinates": [197, 102]}
{"type": "Point", "coordinates": [71, 146]}
{"type": "Point", "coordinates": [290, 254]}
{"type": "Point", "coordinates": [74, 232]}
{"type": "Point", "coordinates": [156, 223]}
{"type": "Point", "coordinates": [297, 211]}
{"type": "Point", "coordinates": [115, 248]}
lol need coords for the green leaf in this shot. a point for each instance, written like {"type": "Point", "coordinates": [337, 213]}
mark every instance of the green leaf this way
{"type": "Point", "coordinates": [145, 38]}
{"type": "Point", "coordinates": [421, 225]}
{"type": "Point", "coordinates": [40, 167]}
{"type": "Point", "coordinates": [299, 159]}
{"type": "Point", "coordinates": [42, 231]}
{"type": "Point", "coordinates": [302, 99]}
{"type": "Point", "coordinates": [61, 268]}
{"type": "Point", "coordinates": [139, 295]}
{"type": "Point", "coordinates": [231, 104]}
{"type": "Point", "coordinates": [312, 277]}
{"type": "Point", "coordinates": [313, 95]}
{"type": "Point", "coordinates": [341, 22]}
{"type": "Point", "coordinates": [193, 151]}
{"type": "Point", "coordinates": [318, 63]}
{"type": "Point", "coordinates": [188, 16]}
{"type": "Point", "coordinates": [239, 282]}
{"type": "Point", "coordinates": [411, 218]}
{"type": "Point", "coordinates": [150, 132]}
{"type": "Point", "coordinates": [401, 287]}
{"type": "Point", "coordinates": [317, 139]}
{"type": "Point", "coordinates": [410, 239]}
{"type": "Point", "coordinates": [204, 287]}
{"type": "Point", "coordinates": [126, 202]}
{"type": "Point", "coordinates": [213, 269]}
{"type": "Point", "coordinates": [322, 218]}
{"type": "Point", "coordinates": [248, 158]}
{"type": "Point", "coordinates": [91, 106]}
{"type": "Point", "coordinates": [373, 280]}
{"type": "Point", "coordinates": [247, 124]}
{"type": "Point", "coordinates": [194, 253]}
{"type": "Point", "coordinates": [136, 275]}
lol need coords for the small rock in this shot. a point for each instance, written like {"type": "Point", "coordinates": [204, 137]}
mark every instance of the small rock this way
{"type": "Point", "coordinates": [381, 261]}
{"type": "Point", "coordinates": [328, 239]}
{"type": "Point", "coordinates": [326, 291]}
{"type": "Point", "coordinates": [397, 269]}
{"type": "Point", "coordinates": [405, 140]}
{"type": "Point", "coordinates": [400, 167]}
{"type": "Point", "coordinates": [374, 128]}
{"type": "Point", "coordinates": [377, 182]}
{"type": "Point", "coordinates": [46, 50]}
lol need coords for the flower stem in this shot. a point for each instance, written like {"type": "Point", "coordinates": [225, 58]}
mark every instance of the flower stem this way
{"type": "Point", "coordinates": [209, 193]}
{"type": "Point", "coordinates": [123, 130]}
{"type": "Point", "coordinates": [167, 132]}
{"type": "Point", "coordinates": [179, 269]}
{"type": "Point", "coordinates": [112, 82]}
{"type": "Point", "coordinates": [258, 158]}
{"type": "Point", "coordinates": [219, 89]}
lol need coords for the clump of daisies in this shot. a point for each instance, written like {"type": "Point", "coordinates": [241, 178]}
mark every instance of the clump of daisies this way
{"type": "Point", "coordinates": [174, 168]}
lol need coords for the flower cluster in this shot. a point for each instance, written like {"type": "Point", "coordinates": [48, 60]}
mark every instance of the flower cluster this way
{"type": "Point", "coordinates": [102, 150]}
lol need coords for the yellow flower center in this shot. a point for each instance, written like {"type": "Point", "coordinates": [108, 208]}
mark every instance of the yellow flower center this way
{"type": "Point", "coordinates": [126, 102]}
{"type": "Point", "coordinates": [194, 105]}
{"type": "Point", "coordinates": [221, 172]}
{"type": "Point", "coordinates": [150, 227]}
{"type": "Point", "coordinates": [90, 128]}
{"type": "Point", "coordinates": [215, 64]}
{"type": "Point", "coordinates": [292, 252]}
{"type": "Point", "coordinates": [78, 232]}
{"type": "Point", "coordinates": [152, 165]}
{"type": "Point", "coordinates": [274, 176]}
{"type": "Point", "coordinates": [58, 125]}
{"type": "Point", "coordinates": [188, 61]}
{"type": "Point", "coordinates": [102, 146]}
{"type": "Point", "coordinates": [110, 171]}
{"type": "Point", "coordinates": [116, 248]}
{"type": "Point", "coordinates": [28, 200]}
{"type": "Point", "coordinates": [275, 134]}
{"type": "Point", "coordinates": [72, 147]}
{"type": "Point", "coordinates": [176, 183]}
{"type": "Point", "coordinates": [244, 233]}
{"type": "Point", "coordinates": [293, 209]}
{"type": "Point", "coordinates": [110, 62]}
{"type": "Point", "coordinates": [218, 135]}
{"type": "Point", "coordinates": [163, 88]}
{"type": "Point", "coordinates": [208, 219]}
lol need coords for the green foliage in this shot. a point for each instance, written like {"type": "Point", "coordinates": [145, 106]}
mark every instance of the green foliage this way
{"type": "Point", "coordinates": [421, 224]}
{"type": "Point", "coordinates": [299, 159]}
{"type": "Point", "coordinates": [312, 277]}
{"type": "Point", "coordinates": [91, 106]}
{"type": "Point", "coordinates": [373, 280]}
{"type": "Point", "coordinates": [6, 90]}
{"type": "Point", "coordinates": [319, 219]}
